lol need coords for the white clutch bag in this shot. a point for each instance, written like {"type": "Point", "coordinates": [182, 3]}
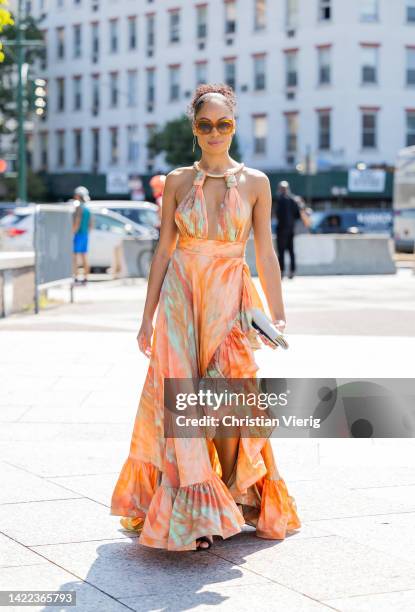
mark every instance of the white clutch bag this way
{"type": "Point", "coordinates": [261, 323]}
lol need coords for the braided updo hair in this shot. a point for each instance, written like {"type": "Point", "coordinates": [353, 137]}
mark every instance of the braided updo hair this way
{"type": "Point", "coordinates": [206, 91]}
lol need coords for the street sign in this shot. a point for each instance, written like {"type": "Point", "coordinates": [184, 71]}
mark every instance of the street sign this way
{"type": "Point", "coordinates": [367, 181]}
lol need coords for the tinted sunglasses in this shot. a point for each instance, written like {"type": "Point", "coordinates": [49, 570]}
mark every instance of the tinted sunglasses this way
{"type": "Point", "coordinates": [205, 126]}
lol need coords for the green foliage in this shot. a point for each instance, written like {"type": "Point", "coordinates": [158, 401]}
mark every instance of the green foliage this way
{"type": "Point", "coordinates": [5, 20]}
{"type": "Point", "coordinates": [36, 187]}
{"type": "Point", "coordinates": [9, 68]}
{"type": "Point", "coordinates": [175, 140]}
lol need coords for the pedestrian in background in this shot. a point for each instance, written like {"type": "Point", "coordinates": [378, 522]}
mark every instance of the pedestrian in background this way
{"type": "Point", "coordinates": [82, 224]}
{"type": "Point", "coordinates": [287, 209]}
{"type": "Point", "coordinates": [157, 186]}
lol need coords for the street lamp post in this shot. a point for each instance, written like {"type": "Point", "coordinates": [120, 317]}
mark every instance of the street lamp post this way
{"type": "Point", "coordinates": [21, 155]}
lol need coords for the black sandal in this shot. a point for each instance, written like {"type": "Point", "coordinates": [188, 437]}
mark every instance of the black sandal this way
{"type": "Point", "coordinates": [204, 539]}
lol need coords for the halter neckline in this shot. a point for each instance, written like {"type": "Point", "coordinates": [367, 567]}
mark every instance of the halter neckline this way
{"type": "Point", "coordinates": [229, 172]}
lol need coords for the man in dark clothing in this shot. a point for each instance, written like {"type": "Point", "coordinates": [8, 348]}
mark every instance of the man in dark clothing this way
{"type": "Point", "coordinates": [287, 209]}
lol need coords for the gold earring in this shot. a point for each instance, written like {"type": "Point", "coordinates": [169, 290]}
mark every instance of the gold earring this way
{"type": "Point", "coordinates": [194, 142]}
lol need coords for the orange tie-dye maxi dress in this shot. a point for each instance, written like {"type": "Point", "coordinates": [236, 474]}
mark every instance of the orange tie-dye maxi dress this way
{"type": "Point", "coordinates": [173, 486]}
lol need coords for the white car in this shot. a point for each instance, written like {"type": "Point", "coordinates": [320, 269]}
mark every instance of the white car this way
{"type": "Point", "coordinates": [141, 212]}
{"type": "Point", "coordinates": [108, 231]}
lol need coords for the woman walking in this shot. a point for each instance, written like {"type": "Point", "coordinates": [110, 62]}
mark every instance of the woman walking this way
{"type": "Point", "coordinates": [180, 492]}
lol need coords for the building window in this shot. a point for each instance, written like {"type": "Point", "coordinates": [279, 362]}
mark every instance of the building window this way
{"type": "Point", "coordinates": [174, 26]}
{"type": "Point", "coordinates": [259, 73]}
{"type": "Point", "coordinates": [260, 15]}
{"type": "Point", "coordinates": [44, 151]}
{"type": "Point", "coordinates": [150, 86]}
{"type": "Point", "coordinates": [369, 64]}
{"type": "Point", "coordinates": [132, 143]}
{"type": "Point", "coordinates": [369, 129]}
{"type": "Point", "coordinates": [201, 73]}
{"type": "Point", "coordinates": [77, 142]}
{"type": "Point", "coordinates": [291, 14]}
{"type": "Point", "coordinates": [95, 41]}
{"type": "Point", "coordinates": [410, 65]}
{"type": "Point", "coordinates": [60, 87]}
{"type": "Point", "coordinates": [174, 83]}
{"type": "Point", "coordinates": [77, 93]}
{"type": "Point", "coordinates": [95, 94]}
{"type": "Point", "coordinates": [201, 21]}
{"type": "Point", "coordinates": [77, 40]}
{"type": "Point", "coordinates": [291, 72]}
{"type": "Point", "coordinates": [291, 138]}
{"type": "Point", "coordinates": [150, 23]}
{"type": "Point", "coordinates": [324, 130]}
{"type": "Point", "coordinates": [324, 10]}
{"type": "Point", "coordinates": [114, 89]}
{"type": "Point", "coordinates": [113, 24]}
{"type": "Point", "coordinates": [324, 65]}
{"type": "Point", "coordinates": [95, 149]}
{"type": "Point", "coordinates": [410, 128]}
{"type": "Point", "coordinates": [369, 10]}
{"type": "Point", "coordinates": [230, 72]}
{"type": "Point", "coordinates": [114, 153]}
{"type": "Point", "coordinates": [60, 43]}
{"type": "Point", "coordinates": [260, 134]}
{"type": "Point", "coordinates": [410, 11]}
{"type": "Point", "coordinates": [230, 16]}
{"type": "Point", "coordinates": [60, 148]}
{"type": "Point", "coordinates": [132, 81]}
{"type": "Point", "coordinates": [132, 33]}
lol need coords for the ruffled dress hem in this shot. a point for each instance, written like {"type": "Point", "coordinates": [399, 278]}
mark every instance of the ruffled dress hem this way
{"type": "Point", "coordinates": [173, 517]}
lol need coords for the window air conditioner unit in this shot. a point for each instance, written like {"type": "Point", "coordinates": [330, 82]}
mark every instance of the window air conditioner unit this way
{"type": "Point", "coordinates": [244, 87]}
{"type": "Point", "coordinates": [290, 95]}
{"type": "Point", "coordinates": [290, 32]}
{"type": "Point", "coordinates": [150, 52]}
{"type": "Point", "coordinates": [187, 94]}
{"type": "Point", "coordinates": [229, 41]}
{"type": "Point", "coordinates": [150, 107]}
{"type": "Point", "coordinates": [201, 45]}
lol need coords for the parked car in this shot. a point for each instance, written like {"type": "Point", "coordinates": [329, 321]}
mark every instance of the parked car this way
{"type": "Point", "coordinates": [109, 229]}
{"type": "Point", "coordinates": [144, 213]}
{"type": "Point", "coordinates": [16, 229]}
{"type": "Point", "coordinates": [352, 221]}
{"type": "Point", "coordinates": [6, 208]}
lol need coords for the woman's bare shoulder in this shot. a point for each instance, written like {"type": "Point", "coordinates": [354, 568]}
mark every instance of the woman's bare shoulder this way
{"type": "Point", "coordinates": [180, 180]}
{"type": "Point", "coordinates": [178, 175]}
{"type": "Point", "coordinates": [255, 176]}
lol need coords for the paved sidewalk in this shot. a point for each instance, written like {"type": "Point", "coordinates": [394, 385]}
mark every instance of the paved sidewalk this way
{"type": "Point", "coordinates": [70, 383]}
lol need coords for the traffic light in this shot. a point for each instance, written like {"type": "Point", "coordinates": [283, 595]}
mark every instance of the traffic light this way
{"type": "Point", "coordinates": [38, 97]}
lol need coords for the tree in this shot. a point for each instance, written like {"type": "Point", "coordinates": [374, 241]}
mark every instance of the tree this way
{"type": "Point", "coordinates": [36, 187]}
{"type": "Point", "coordinates": [8, 72]}
{"type": "Point", "coordinates": [175, 140]}
{"type": "Point", "coordinates": [5, 20]}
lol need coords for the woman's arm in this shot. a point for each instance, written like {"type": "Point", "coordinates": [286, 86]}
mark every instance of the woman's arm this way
{"type": "Point", "coordinates": [164, 249]}
{"type": "Point", "coordinates": [267, 264]}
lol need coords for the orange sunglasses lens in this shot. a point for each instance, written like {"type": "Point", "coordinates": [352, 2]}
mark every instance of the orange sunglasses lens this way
{"type": "Point", "coordinates": [224, 126]}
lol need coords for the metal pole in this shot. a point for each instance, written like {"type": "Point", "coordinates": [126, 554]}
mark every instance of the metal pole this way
{"type": "Point", "coordinates": [21, 168]}
{"type": "Point", "coordinates": [308, 176]}
{"type": "Point", "coordinates": [36, 250]}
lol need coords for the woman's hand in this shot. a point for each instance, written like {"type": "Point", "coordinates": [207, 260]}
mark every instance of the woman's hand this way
{"type": "Point", "coordinates": [279, 324]}
{"type": "Point", "coordinates": [144, 337]}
